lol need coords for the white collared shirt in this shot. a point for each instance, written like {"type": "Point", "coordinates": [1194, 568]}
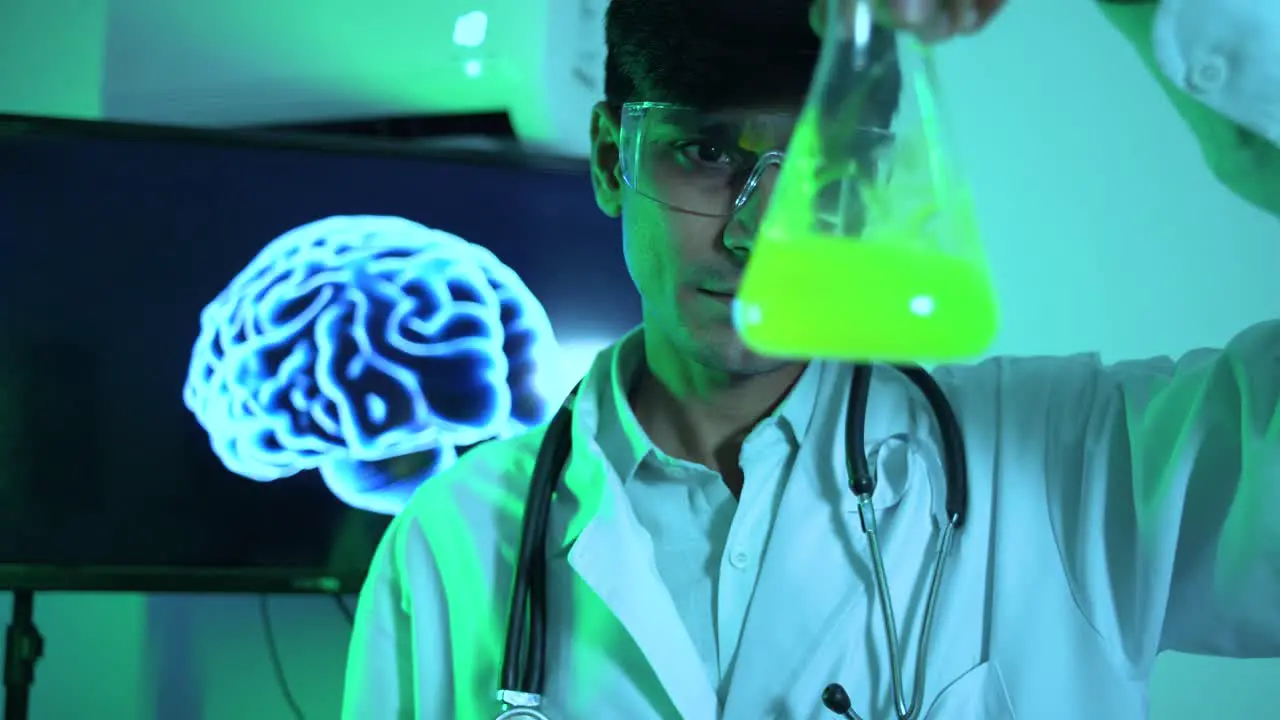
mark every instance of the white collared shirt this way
{"type": "Point", "coordinates": [707, 546]}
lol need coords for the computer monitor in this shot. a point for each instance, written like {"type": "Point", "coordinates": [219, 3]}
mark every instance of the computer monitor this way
{"type": "Point", "coordinates": [225, 360]}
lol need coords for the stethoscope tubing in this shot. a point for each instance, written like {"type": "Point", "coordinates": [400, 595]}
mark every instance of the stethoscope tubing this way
{"type": "Point", "coordinates": [525, 654]}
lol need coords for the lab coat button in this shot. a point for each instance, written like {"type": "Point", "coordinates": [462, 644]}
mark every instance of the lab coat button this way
{"type": "Point", "coordinates": [739, 559]}
{"type": "Point", "coordinates": [1207, 74]}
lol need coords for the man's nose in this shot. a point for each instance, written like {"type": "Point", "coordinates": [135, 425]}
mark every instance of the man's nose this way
{"type": "Point", "coordinates": [740, 234]}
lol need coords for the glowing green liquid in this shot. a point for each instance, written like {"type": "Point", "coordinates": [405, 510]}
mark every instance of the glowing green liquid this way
{"type": "Point", "coordinates": [883, 298]}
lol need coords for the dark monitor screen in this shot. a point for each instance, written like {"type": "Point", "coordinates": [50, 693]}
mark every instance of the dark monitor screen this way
{"type": "Point", "coordinates": [225, 362]}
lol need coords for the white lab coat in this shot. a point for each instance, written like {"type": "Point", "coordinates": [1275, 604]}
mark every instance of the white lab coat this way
{"type": "Point", "coordinates": [1219, 63]}
{"type": "Point", "coordinates": [1225, 54]}
{"type": "Point", "coordinates": [1113, 512]}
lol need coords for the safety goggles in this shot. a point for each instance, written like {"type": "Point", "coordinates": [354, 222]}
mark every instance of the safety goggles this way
{"type": "Point", "coordinates": [711, 162]}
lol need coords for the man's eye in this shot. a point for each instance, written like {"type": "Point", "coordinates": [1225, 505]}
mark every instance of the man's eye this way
{"type": "Point", "coordinates": [703, 153]}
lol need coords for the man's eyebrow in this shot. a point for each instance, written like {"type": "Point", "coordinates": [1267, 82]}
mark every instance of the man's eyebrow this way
{"type": "Point", "coordinates": [762, 134]}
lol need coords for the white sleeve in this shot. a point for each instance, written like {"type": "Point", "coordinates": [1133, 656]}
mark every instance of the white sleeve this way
{"type": "Point", "coordinates": [396, 668]}
{"type": "Point", "coordinates": [1226, 54]}
{"type": "Point", "coordinates": [1165, 497]}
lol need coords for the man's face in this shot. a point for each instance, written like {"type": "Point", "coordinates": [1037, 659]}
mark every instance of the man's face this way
{"type": "Point", "coordinates": [673, 176]}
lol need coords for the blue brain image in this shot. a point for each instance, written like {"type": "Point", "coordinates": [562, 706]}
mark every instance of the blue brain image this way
{"type": "Point", "coordinates": [371, 348]}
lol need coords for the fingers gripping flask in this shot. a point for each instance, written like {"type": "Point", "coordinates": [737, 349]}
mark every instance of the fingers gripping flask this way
{"type": "Point", "coordinates": [869, 250]}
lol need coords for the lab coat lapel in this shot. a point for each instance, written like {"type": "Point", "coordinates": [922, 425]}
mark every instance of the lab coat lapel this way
{"type": "Point", "coordinates": [613, 555]}
{"type": "Point", "coordinates": [816, 581]}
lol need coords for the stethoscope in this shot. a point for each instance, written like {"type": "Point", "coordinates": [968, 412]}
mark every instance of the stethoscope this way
{"type": "Point", "coordinates": [524, 658]}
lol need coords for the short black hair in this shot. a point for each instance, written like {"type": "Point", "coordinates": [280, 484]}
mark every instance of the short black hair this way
{"type": "Point", "coordinates": [717, 53]}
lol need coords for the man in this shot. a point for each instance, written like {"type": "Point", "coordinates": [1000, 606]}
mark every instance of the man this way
{"type": "Point", "coordinates": [703, 557]}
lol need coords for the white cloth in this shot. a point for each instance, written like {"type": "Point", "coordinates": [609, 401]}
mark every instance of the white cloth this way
{"type": "Point", "coordinates": [707, 546]}
{"type": "Point", "coordinates": [1113, 512]}
{"type": "Point", "coordinates": [1225, 53]}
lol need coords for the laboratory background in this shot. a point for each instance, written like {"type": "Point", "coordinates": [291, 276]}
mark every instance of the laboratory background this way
{"type": "Point", "coordinates": [157, 269]}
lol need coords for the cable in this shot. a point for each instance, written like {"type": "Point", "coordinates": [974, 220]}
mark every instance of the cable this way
{"type": "Point", "coordinates": [273, 650]}
{"type": "Point", "coordinates": [273, 654]}
{"type": "Point", "coordinates": [345, 609]}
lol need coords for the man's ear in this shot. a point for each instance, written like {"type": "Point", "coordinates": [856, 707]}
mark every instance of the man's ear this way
{"type": "Point", "coordinates": [606, 171]}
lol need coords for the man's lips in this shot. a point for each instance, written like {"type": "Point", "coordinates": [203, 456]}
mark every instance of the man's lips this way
{"type": "Point", "coordinates": [718, 295]}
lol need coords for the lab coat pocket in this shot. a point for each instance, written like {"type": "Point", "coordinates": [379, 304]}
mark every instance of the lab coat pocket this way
{"type": "Point", "coordinates": [978, 694]}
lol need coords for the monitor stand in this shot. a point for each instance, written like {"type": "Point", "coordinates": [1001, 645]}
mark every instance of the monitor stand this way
{"type": "Point", "coordinates": [22, 649]}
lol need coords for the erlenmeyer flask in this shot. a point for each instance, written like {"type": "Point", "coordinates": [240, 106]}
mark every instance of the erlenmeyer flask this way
{"type": "Point", "coordinates": [869, 250]}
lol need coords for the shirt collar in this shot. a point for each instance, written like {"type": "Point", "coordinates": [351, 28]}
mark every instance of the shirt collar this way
{"type": "Point", "coordinates": [814, 412]}
{"type": "Point", "coordinates": [624, 442]}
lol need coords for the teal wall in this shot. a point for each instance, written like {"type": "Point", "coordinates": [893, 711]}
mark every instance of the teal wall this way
{"type": "Point", "coordinates": [169, 657]}
{"type": "Point", "coordinates": [52, 54]}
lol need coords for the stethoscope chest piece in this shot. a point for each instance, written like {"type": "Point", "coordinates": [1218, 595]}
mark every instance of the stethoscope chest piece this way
{"type": "Point", "coordinates": [520, 705]}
